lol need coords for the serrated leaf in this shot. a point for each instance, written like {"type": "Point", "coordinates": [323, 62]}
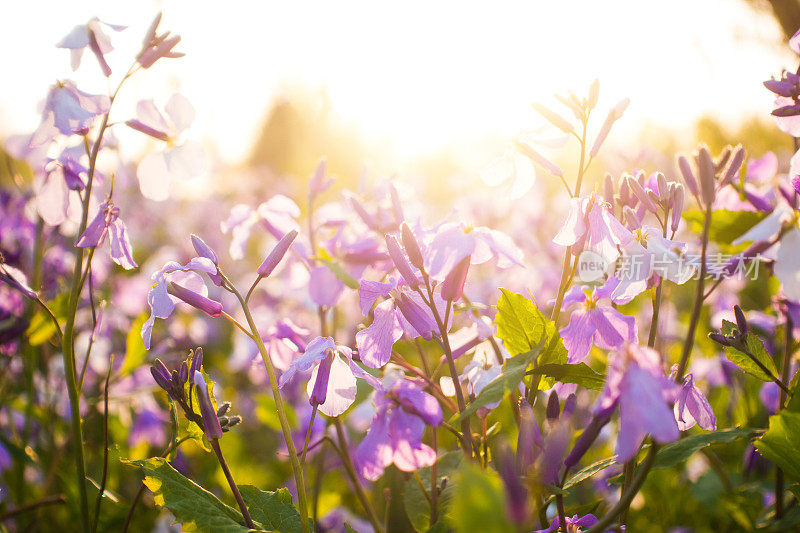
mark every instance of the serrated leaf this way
{"type": "Point", "coordinates": [522, 327]}
{"type": "Point", "coordinates": [195, 508]}
{"type": "Point", "coordinates": [510, 378]}
{"type": "Point", "coordinates": [273, 511]}
{"type": "Point", "coordinates": [416, 504]}
{"type": "Point", "coordinates": [676, 452]}
{"type": "Point", "coordinates": [580, 374]}
{"type": "Point", "coordinates": [743, 361]}
{"type": "Point", "coordinates": [726, 225]}
{"type": "Point", "coordinates": [135, 352]}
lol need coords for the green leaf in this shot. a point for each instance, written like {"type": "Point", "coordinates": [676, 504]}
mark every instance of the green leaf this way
{"type": "Point", "coordinates": [417, 507]}
{"type": "Point", "coordinates": [479, 501]}
{"type": "Point", "coordinates": [273, 511]}
{"type": "Point", "coordinates": [676, 452]}
{"type": "Point", "coordinates": [194, 507]}
{"type": "Point", "coordinates": [779, 443]}
{"type": "Point", "coordinates": [135, 351]}
{"type": "Point", "coordinates": [589, 471]}
{"type": "Point", "coordinates": [41, 326]}
{"type": "Point", "coordinates": [580, 374]}
{"type": "Point", "coordinates": [511, 376]}
{"type": "Point", "coordinates": [726, 226]}
{"type": "Point", "coordinates": [522, 328]}
{"type": "Point", "coordinates": [743, 361]}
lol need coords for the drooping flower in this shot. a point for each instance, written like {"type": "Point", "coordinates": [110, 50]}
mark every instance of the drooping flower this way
{"type": "Point", "coordinates": [108, 223]}
{"type": "Point", "coordinates": [395, 434]}
{"type": "Point", "coordinates": [332, 385]}
{"type": "Point", "coordinates": [68, 111]}
{"type": "Point", "coordinates": [90, 35]}
{"type": "Point", "coordinates": [637, 384]}
{"type": "Point", "coordinates": [161, 302]}
{"type": "Point", "coordinates": [693, 408]}
{"type": "Point", "coordinates": [596, 322]}
{"type": "Point", "coordinates": [181, 159]}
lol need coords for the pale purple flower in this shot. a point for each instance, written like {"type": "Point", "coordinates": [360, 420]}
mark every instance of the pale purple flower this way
{"type": "Point", "coordinates": [68, 111]}
{"type": "Point", "coordinates": [403, 312]}
{"type": "Point", "coordinates": [395, 434]}
{"type": "Point", "coordinates": [332, 385]}
{"type": "Point", "coordinates": [595, 322]}
{"type": "Point", "coordinates": [453, 242]}
{"type": "Point", "coordinates": [637, 383]}
{"type": "Point", "coordinates": [181, 159]}
{"type": "Point", "coordinates": [693, 408]}
{"type": "Point", "coordinates": [575, 524]}
{"type": "Point", "coordinates": [278, 215]}
{"type": "Point", "coordinates": [161, 302]}
{"type": "Point", "coordinates": [324, 287]}
{"type": "Point", "coordinates": [90, 35]}
{"type": "Point", "coordinates": [108, 223]}
{"type": "Point", "coordinates": [590, 225]}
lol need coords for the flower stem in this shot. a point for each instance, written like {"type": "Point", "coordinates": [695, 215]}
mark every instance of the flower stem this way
{"type": "Point", "coordinates": [344, 455]}
{"type": "Point", "coordinates": [276, 394]}
{"type": "Point", "coordinates": [236, 494]}
{"type": "Point", "coordinates": [105, 448]}
{"type": "Point", "coordinates": [785, 368]}
{"type": "Point", "coordinates": [698, 300]}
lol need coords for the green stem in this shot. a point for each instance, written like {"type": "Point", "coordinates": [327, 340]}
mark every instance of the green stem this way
{"type": "Point", "coordinates": [236, 494]}
{"type": "Point", "coordinates": [785, 369]}
{"type": "Point", "coordinates": [276, 394]}
{"type": "Point", "coordinates": [344, 455]}
{"type": "Point", "coordinates": [105, 448]}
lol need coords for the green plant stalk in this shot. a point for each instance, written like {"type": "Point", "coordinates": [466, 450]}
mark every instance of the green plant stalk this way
{"type": "Point", "coordinates": [276, 394]}
{"type": "Point", "coordinates": [344, 455]}
{"type": "Point", "coordinates": [698, 300]}
{"type": "Point", "coordinates": [236, 494]}
{"type": "Point", "coordinates": [785, 369]}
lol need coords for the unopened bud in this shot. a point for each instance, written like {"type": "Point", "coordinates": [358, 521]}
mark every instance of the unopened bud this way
{"type": "Point", "coordinates": [688, 176]}
{"type": "Point", "coordinates": [553, 407]}
{"type": "Point", "coordinates": [453, 285]}
{"type": "Point", "coordinates": [733, 167]}
{"type": "Point", "coordinates": [412, 246]}
{"type": "Point", "coordinates": [677, 207]}
{"type": "Point", "coordinates": [641, 194]}
{"type": "Point", "coordinates": [277, 253]}
{"type": "Point", "coordinates": [705, 166]}
{"type": "Point", "coordinates": [554, 118]}
{"type": "Point", "coordinates": [741, 321]}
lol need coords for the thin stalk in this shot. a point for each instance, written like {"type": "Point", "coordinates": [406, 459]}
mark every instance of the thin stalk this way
{"type": "Point", "coordinates": [698, 300]}
{"type": "Point", "coordinates": [351, 472]}
{"type": "Point", "coordinates": [434, 479]}
{"type": "Point", "coordinates": [276, 394]}
{"type": "Point", "coordinates": [105, 448]}
{"type": "Point", "coordinates": [236, 494]}
{"type": "Point", "coordinates": [50, 500]}
{"type": "Point", "coordinates": [308, 434]}
{"type": "Point", "coordinates": [785, 368]}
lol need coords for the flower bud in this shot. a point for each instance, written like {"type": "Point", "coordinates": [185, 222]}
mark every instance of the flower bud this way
{"type": "Point", "coordinates": [161, 375]}
{"type": "Point", "coordinates": [197, 361]}
{"type": "Point", "coordinates": [553, 407]}
{"type": "Point", "coordinates": [569, 405]}
{"type": "Point", "coordinates": [222, 409]}
{"type": "Point", "coordinates": [688, 176]}
{"type": "Point", "coordinates": [720, 339]}
{"type": "Point", "coordinates": [362, 213]}
{"type": "Point", "coordinates": [641, 194]}
{"type": "Point", "coordinates": [412, 246]}
{"type": "Point", "coordinates": [211, 425]}
{"type": "Point", "coordinates": [320, 391]}
{"type": "Point", "coordinates": [198, 301]}
{"type": "Point", "coordinates": [183, 373]}
{"type": "Point", "coordinates": [733, 167]}
{"type": "Point", "coordinates": [277, 253]}
{"type": "Point", "coordinates": [203, 250]}
{"type": "Point", "coordinates": [318, 184]}
{"type": "Point", "coordinates": [741, 321]}
{"type": "Point", "coordinates": [624, 191]}
{"type": "Point", "coordinates": [416, 316]}
{"type": "Point", "coordinates": [453, 285]}
{"type": "Point", "coordinates": [594, 94]}
{"type": "Point", "coordinates": [631, 217]}
{"type": "Point", "coordinates": [588, 436]}
{"type": "Point", "coordinates": [608, 188]}
{"type": "Point", "coordinates": [538, 158]}
{"type": "Point", "coordinates": [705, 166]}
{"type": "Point", "coordinates": [400, 261]}
{"type": "Point", "coordinates": [677, 207]}
{"type": "Point", "coordinates": [663, 188]}
{"type": "Point", "coordinates": [554, 118]}
{"type": "Point", "coordinates": [397, 207]}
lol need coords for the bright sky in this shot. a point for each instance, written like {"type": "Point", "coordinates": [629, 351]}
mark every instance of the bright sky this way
{"type": "Point", "coordinates": [412, 77]}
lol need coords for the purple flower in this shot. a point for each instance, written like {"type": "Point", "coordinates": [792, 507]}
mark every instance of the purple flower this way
{"type": "Point", "coordinates": [574, 524]}
{"type": "Point", "coordinates": [590, 225]}
{"type": "Point", "coordinates": [108, 223]}
{"type": "Point", "coordinates": [332, 385]}
{"type": "Point", "coordinates": [278, 215]}
{"type": "Point", "coordinates": [693, 408]}
{"type": "Point", "coordinates": [276, 254]}
{"type": "Point", "coordinates": [637, 383]}
{"type": "Point", "coordinates": [181, 159]}
{"type": "Point", "coordinates": [403, 312]}
{"type": "Point", "coordinates": [160, 302]}
{"type": "Point", "coordinates": [68, 111]}
{"type": "Point", "coordinates": [454, 242]}
{"type": "Point", "coordinates": [402, 411]}
{"type": "Point", "coordinates": [90, 35]}
{"type": "Point", "coordinates": [594, 323]}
